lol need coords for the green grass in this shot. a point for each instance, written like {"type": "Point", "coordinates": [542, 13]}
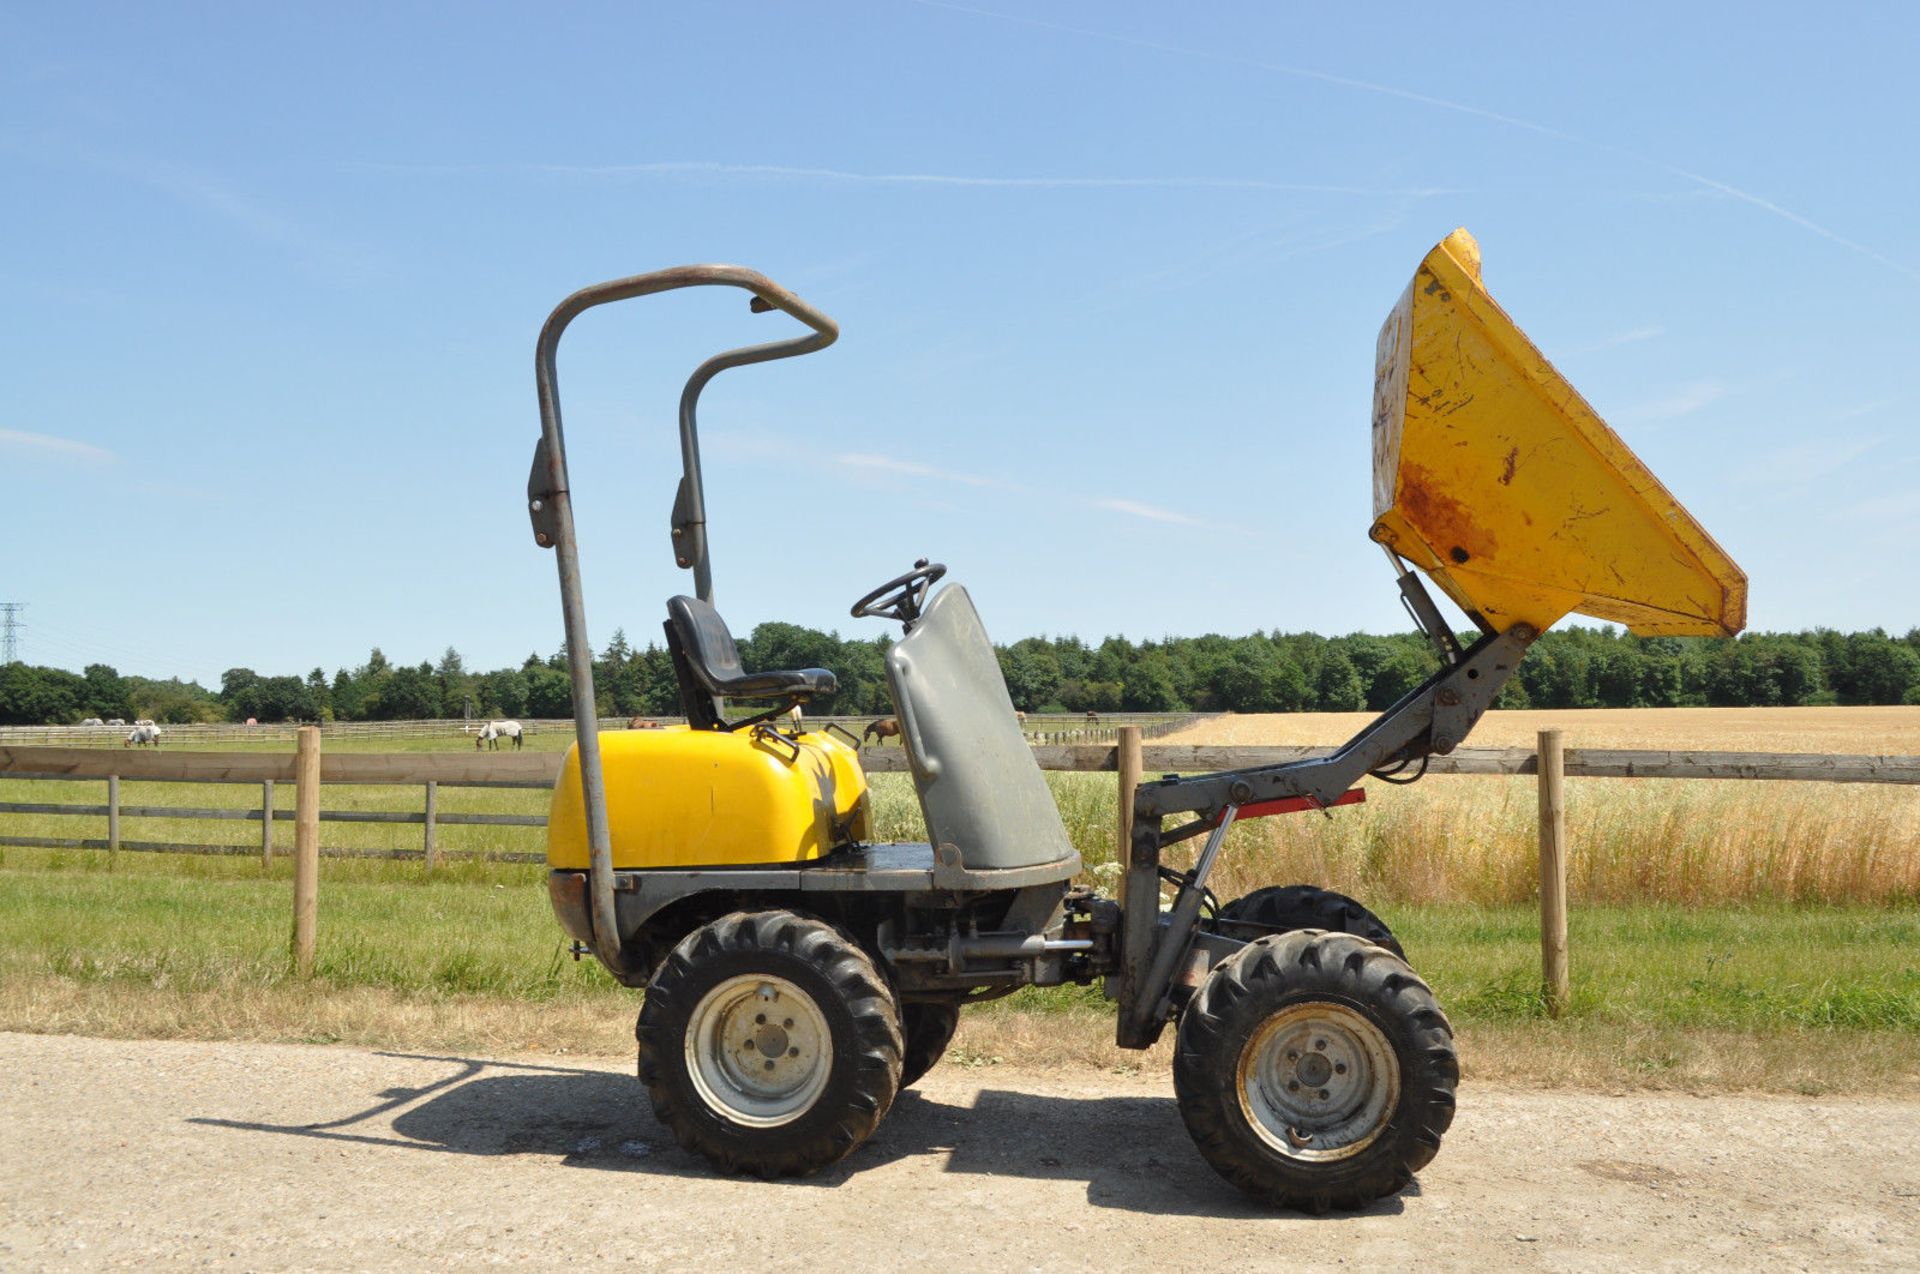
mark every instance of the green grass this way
{"type": "Point", "coordinates": [200, 923]}
{"type": "Point", "coordinates": [1703, 990]}
{"type": "Point", "coordinates": [197, 922]}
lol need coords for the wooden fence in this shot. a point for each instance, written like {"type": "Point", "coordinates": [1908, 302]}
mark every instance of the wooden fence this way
{"type": "Point", "coordinates": [308, 768]}
{"type": "Point", "coordinates": [1054, 728]}
{"type": "Point", "coordinates": [431, 771]}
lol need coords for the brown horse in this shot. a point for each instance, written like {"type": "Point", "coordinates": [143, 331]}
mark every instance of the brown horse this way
{"type": "Point", "coordinates": [883, 729]}
{"type": "Point", "coordinates": [642, 723]}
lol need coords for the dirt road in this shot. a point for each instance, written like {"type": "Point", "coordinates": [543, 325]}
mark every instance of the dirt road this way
{"type": "Point", "coordinates": [254, 1156]}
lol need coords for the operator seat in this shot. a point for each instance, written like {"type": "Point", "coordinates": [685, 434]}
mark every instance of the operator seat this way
{"type": "Point", "coordinates": [706, 663]}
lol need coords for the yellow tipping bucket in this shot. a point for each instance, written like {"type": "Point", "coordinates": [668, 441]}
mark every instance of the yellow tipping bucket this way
{"type": "Point", "coordinates": [1494, 476]}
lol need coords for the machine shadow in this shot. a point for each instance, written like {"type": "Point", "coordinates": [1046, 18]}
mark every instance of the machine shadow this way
{"type": "Point", "coordinates": [1132, 1152]}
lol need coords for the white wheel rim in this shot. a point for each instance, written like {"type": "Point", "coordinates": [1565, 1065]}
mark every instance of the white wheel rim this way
{"type": "Point", "coordinates": [1318, 1082]}
{"type": "Point", "coordinates": [759, 1051]}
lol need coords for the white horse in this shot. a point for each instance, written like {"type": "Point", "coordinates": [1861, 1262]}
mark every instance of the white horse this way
{"type": "Point", "coordinates": [493, 731]}
{"type": "Point", "coordinates": [143, 735]}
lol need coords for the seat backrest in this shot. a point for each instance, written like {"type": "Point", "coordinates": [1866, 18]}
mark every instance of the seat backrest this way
{"type": "Point", "coordinates": [711, 652]}
{"type": "Point", "coordinates": [979, 786]}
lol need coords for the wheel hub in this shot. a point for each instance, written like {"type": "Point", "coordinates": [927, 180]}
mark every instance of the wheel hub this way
{"type": "Point", "coordinates": [1318, 1081]}
{"type": "Point", "coordinates": [758, 1050]}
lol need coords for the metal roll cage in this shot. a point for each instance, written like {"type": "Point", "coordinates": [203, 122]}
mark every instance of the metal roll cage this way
{"type": "Point", "coordinates": [550, 506]}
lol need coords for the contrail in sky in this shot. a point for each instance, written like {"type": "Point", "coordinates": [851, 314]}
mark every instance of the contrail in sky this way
{"type": "Point", "coordinates": [715, 168]}
{"type": "Point", "coordinates": [1445, 104]}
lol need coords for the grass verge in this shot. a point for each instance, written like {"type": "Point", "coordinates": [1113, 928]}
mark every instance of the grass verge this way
{"type": "Point", "coordinates": [1762, 998]}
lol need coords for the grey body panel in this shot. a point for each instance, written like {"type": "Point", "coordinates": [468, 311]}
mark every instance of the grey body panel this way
{"type": "Point", "coordinates": [980, 788]}
{"type": "Point", "coordinates": [913, 868]}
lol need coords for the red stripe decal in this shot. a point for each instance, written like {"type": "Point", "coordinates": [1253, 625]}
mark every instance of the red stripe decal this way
{"type": "Point", "coordinates": [1293, 805]}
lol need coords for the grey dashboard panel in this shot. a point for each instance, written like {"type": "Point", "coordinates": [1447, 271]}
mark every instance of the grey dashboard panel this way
{"type": "Point", "coordinates": [980, 788]}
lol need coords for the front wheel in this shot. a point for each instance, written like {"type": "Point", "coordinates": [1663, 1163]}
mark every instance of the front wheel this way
{"type": "Point", "coordinates": [1315, 1070]}
{"type": "Point", "coordinates": [769, 1043]}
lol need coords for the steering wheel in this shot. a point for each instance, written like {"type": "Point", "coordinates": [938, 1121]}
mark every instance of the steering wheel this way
{"type": "Point", "coordinates": [902, 596]}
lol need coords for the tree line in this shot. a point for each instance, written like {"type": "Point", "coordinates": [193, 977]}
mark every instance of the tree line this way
{"type": "Point", "coordinates": [1265, 672]}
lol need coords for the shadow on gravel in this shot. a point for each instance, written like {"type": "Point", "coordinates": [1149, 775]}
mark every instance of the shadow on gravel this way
{"type": "Point", "coordinates": [1133, 1152]}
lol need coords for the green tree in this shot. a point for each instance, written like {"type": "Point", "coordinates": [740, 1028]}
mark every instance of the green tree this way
{"type": "Point", "coordinates": [108, 694]}
{"type": "Point", "coordinates": [456, 689]}
{"type": "Point", "coordinates": [32, 695]}
{"type": "Point", "coordinates": [504, 693]}
{"type": "Point", "coordinates": [1032, 673]}
{"type": "Point", "coordinates": [1337, 686]}
{"type": "Point", "coordinates": [321, 696]}
{"type": "Point", "coordinates": [408, 694]}
{"type": "Point", "coordinates": [549, 693]}
{"type": "Point", "coordinates": [274, 699]}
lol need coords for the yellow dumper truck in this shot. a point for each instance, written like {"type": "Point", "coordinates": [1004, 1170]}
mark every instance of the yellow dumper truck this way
{"type": "Point", "coordinates": [797, 974]}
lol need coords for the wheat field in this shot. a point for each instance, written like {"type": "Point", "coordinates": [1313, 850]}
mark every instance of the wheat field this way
{"type": "Point", "coordinates": [1473, 839]}
{"type": "Point", "coordinates": [1886, 731]}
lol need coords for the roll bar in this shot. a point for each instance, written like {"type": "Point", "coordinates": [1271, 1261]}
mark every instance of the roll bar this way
{"type": "Point", "coordinates": [550, 506]}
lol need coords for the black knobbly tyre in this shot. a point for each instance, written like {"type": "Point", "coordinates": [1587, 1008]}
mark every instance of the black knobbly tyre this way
{"type": "Point", "coordinates": [1315, 1070]}
{"type": "Point", "coordinates": [1284, 908]}
{"type": "Point", "coordinates": [769, 1043]}
{"type": "Point", "coordinates": [928, 1028]}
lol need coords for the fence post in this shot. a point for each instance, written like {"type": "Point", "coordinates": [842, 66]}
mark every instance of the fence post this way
{"type": "Point", "coordinates": [1553, 873]}
{"type": "Point", "coordinates": [266, 822]}
{"type": "Point", "coordinates": [1127, 761]}
{"type": "Point", "coordinates": [432, 849]}
{"type": "Point", "coordinates": [306, 847]}
{"type": "Point", "coordinates": [113, 813]}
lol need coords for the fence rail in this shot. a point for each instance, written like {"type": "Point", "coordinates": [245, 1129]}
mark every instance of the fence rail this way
{"type": "Point", "coordinates": [1047, 728]}
{"type": "Point", "coordinates": [539, 770]}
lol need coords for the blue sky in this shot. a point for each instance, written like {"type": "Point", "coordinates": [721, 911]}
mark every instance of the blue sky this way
{"type": "Point", "coordinates": [1108, 277]}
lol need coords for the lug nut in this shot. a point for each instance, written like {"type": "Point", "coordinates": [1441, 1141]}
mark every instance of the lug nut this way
{"type": "Point", "coordinates": [788, 1024]}
{"type": "Point", "coordinates": [760, 1019]}
{"type": "Point", "coordinates": [1339, 1068]}
{"type": "Point", "coordinates": [793, 1052]}
{"type": "Point", "coordinates": [1323, 1094]}
{"type": "Point", "coordinates": [1321, 1045]}
{"type": "Point", "coordinates": [769, 1063]}
{"type": "Point", "coordinates": [1293, 1085]}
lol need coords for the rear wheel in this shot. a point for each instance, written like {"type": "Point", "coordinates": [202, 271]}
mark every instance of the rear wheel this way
{"type": "Point", "coordinates": [928, 1029]}
{"type": "Point", "coordinates": [1284, 908]}
{"type": "Point", "coordinates": [1315, 1070]}
{"type": "Point", "coordinates": [769, 1043]}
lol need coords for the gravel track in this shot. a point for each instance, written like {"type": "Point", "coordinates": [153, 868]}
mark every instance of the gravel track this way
{"type": "Point", "coordinates": [254, 1156]}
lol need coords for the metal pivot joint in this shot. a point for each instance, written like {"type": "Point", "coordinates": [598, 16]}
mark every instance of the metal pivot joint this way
{"type": "Point", "coordinates": [550, 507]}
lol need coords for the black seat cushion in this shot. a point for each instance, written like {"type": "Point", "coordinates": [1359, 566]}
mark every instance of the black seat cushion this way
{"type": "Point", "coordinates": [714, 659]}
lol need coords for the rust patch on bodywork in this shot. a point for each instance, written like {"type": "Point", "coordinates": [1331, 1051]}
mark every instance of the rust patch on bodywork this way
{"type": "Point", "coordinates": [1443, 521]}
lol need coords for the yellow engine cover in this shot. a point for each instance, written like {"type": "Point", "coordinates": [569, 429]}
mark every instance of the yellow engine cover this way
{"type": "Point", "coordinates": [1495, 477]}
{"type": "Point", "coordinates": [680, 797]}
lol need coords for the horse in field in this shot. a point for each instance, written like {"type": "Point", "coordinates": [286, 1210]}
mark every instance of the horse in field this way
{"type": "Point", "coordinates": [493, 731]}
{"type": "Point", "coordinates": [883, 729]}
{"type": "Point", "coordinates": [144, 734]}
